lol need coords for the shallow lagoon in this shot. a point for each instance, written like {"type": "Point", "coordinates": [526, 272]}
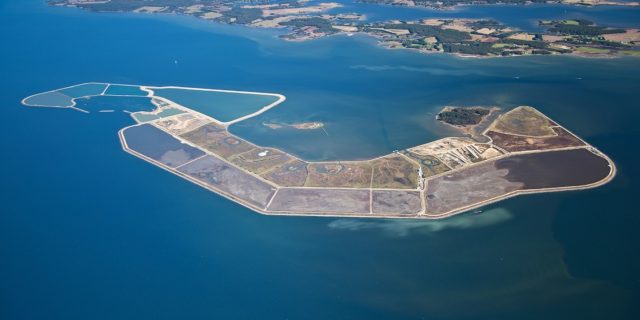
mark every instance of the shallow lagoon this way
{"type": "Point", "coordinates": [64, 97]}
{"type": "Point", "coordinates": [121, 104]}
{"type": "Point", "coordinates": [83, 90]}
{"type": "Point", "coordinates": [115, 89]}
{"type": "Point", "coordinates": [222, 106]}
{"type": "Point", "coordinates": [158, 145]}
{"type": "Point", "coordinates": [49, 99]}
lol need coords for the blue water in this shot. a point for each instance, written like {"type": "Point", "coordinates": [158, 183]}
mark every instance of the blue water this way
{"type": "Point", "coordinates": [88, 231]}
{"type": "Point", "coordinates": [125, 90]}
{"type": "Point", "coordinates": [49, 99]}
{"type": "Point", "coordinates": [222, 106]}
{"type": "Point", "coordinates": [85, 89]}
{"type": "Point", "coordinates": [64, 97]}
{"type": "Point", "coordinates": [120, 104]}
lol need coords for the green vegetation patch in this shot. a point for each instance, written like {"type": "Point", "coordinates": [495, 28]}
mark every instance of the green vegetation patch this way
{"type": "Point", "coordinates": [145, 117]}
{"type": "Point", "coordinates": [242, 15]}
{"type": "Point", "coordinates": [128, 5]}
{"type": "Point", "coordinates": [462, 116]}
{"type": "Point", "coordinates": [630, 53]}
{"type": "Point", "coordinates": [323, 25]}
{"type": "Point", "coordinates": [443, 35]}
{"type": "Point", "coordinates": [571, 22]}
{"type": "Point", "coordinates": [579, 27]}
{"type": "Point", "coordinates": [471, 47]}
{"type": "Point", "coordinates": [532, 44]}
{"type": "Point", "coordinates": [394, 171]}
{"type": "Point", "coordinates": [592, 50]}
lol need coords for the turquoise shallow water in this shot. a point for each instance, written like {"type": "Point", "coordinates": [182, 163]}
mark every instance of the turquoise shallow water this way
{"type": "Point", "coordinates": [90, 232]}
{"type": "Point", "coordinates": [223, 106]}
{"type": "Point", "coordinates": [125, 90]}
{"type": "Point", "coordinates": [85, 89]}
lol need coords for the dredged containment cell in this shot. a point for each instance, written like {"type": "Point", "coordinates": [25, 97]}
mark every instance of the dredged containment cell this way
{"type": "Point", "coordinates": [158, 145]}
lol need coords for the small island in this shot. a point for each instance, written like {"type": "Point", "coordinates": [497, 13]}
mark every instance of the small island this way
{"type": "Point", "coordinates": [470, 121]}
{"type": "Point", "coordinates": [313, 125]}
{"type": "Point", "coordinates": [518, 152]}
{"type": "Point", "coordinates": [460, 116]}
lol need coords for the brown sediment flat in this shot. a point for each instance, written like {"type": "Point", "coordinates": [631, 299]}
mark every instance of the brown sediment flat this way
{"type": "Point", "coordinates": [514, 143]}
{"type": "Point", "coordinates": [468, 187]}
{"type": "Point", "coordinates": [555, 169]}
{"type": "Point", "coordinates": [334, 201]}
{"type": "Point", "coordinates": [233, 181]}
{"type": "Point", "coordinates": [158, 145]}
{"type": "Point", "coordinates": [396, 202]}
{"type": "Point", "coordinates": [216, 139]}
{"type": "Point", "coordinates": [348, 175]}
{"type": "Point", "coordinates": [484, 124]}
{"type": "Point", "coordinates": [544, 170]}
{"type": "Point", "coordinates": [524, 121]}
{"type": "Point", "coordinates": [291, 174]}
{"type": "Point", "coordinates": [204, 134]}
{"type": "Point", "coordinates": [394, 172]}
{"type": "Point", "coordinates": [260, 160]}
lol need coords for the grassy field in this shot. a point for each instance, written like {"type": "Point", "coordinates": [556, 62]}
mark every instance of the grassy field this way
{"type": "Point", "coordinates": [523, 121]}
{"type": "Point", "coordinates": [631, 53]}
{"type": "Point", "coordinates": [591, 50]}
{"type": "Point", "coordinates": [348, 175]}
{"type": "Point", "coordinates": [394, 172]}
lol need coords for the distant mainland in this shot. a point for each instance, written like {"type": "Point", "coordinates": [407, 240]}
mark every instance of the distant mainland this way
{"type": "Point", "coordinates": [305, 20]}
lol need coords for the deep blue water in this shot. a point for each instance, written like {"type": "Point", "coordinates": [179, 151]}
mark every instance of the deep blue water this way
{"type": "Point", "coordinates": [88, 231]}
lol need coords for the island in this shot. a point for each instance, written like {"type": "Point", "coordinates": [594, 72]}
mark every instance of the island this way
{"type": "Point", "coordinates": [313, 125]}
{"type": "Point", "coordinates": [521, 151]}
{"type": "Point", "coordinates": [304, 20]}
{"type": "Point", "coordinates": [464, 117]}
{"type": "Point", "coordinates": [471, 121]}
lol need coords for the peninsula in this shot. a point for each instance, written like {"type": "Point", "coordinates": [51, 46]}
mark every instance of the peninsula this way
{"type": "Point", "coordinates": [520, 151]}
{"type": "Point", "coordinates": [304, 20]}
